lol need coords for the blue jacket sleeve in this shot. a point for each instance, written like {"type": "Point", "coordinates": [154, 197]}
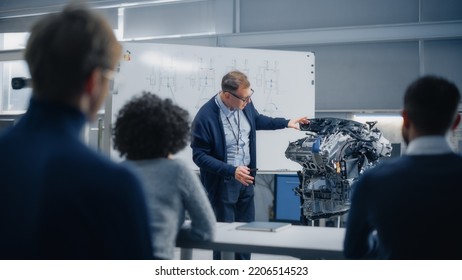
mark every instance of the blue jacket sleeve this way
{"type": "Point", "coordinates": [263, 122]}
{"type": "Point", "coordinates": [359, 242]}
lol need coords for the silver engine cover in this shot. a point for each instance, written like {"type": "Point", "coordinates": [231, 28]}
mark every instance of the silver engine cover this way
{"type": "Point", "coordinates": [333, 155]}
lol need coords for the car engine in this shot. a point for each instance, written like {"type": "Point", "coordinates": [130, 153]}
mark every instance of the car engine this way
{"type": "Point", "coordinates": [333, 155]}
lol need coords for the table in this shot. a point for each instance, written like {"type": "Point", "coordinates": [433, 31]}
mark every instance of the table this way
{"type": "Point", "coordinates": [303, 242]}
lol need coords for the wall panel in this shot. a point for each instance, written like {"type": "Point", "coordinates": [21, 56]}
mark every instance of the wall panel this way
{"type": "Point", "coordinates": [272, 15]}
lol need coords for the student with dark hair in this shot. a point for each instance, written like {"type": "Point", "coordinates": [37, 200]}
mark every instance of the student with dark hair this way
{"type": "Point", "coordinates": [148, 131]}
{"type": "Point", "coordinates": [59, 199]}
{"type": "Point", "coordinates": [406, 208]}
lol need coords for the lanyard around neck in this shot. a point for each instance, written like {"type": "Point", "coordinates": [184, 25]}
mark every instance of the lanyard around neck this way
{"type": "Point", "coordinates": [232, 129]}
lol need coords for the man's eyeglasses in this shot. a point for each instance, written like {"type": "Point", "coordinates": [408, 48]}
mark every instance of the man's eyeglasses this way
{"type": "Point", "coordinates": [246, 99]}
{"type": "Point", "coordinates": [108, 74]}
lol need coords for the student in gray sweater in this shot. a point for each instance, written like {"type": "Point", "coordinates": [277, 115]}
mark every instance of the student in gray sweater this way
{"type": "Point", "coordinates": [147, 132]}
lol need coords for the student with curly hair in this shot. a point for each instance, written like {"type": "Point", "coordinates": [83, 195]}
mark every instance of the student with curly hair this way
{"type": "Point", "coordinates": [148, 131]}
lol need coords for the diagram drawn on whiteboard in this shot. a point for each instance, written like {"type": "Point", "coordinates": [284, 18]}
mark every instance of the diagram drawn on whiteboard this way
{"type": "Point", "coordinates": [203, 80]}
{"type": "Point", "coordinates": [163, 80]}
{"type": "Point", "coordinates": [268, 79]}
{"type": "Point", "coordinates": [283, 82]}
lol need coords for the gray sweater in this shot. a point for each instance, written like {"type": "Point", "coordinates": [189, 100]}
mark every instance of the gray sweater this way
{"type": "Point", "coordinates": [171, 189]}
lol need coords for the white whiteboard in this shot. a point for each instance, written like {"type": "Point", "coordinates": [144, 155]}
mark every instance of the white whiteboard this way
{"type": "Point", "coordinates": [190, 75]}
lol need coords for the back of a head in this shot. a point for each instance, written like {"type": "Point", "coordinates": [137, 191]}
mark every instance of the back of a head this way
{"type": "Point", "coordinates": [149, 127]}
{"type": "Point", "coordinates": [233, 80]}
{"type": "Point", "coordinates": [64, 48]}
{"type": "Point", "coordinates": [431, 103]}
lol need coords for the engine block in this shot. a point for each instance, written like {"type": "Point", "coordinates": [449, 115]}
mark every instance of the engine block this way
{"type": "Point", "coordinates": [333, 155]}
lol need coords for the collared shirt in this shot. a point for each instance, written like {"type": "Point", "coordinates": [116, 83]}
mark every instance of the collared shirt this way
{"type": "Point", "coordinates": [429, 145]}
{"type": "Point", "coordinates": [237, 131]}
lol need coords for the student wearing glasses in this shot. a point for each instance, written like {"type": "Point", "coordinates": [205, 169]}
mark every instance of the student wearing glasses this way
{"type": "Point", "coordinates": [59, 198]}
{"type": "Point", "coordinates": [224, 148]}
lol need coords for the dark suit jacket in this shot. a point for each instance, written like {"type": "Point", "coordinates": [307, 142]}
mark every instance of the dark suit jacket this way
{"type": "Point", "coordinates": [407, 208]}
{"type": "Point", "coordinates": [61, 200]}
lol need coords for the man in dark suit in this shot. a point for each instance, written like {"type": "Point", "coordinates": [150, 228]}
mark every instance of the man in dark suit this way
{"type": "Point", "coordinates": [59, 199]}
{"type": "Point", "coordinates": [407, 208]}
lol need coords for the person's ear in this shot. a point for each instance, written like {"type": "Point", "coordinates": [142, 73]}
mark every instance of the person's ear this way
{"type": "Point", "coordinates": [405, 116]}
{"type": "Point", "coordinates": [93, 81]}
{"type": "Point", "coordinates": [92, 97]}
{"type": "Point", "coordinates": [456, 122]}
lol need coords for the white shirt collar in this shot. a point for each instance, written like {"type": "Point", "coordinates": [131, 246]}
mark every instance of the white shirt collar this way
{"type": "Point", "coordinates": [429, 145]}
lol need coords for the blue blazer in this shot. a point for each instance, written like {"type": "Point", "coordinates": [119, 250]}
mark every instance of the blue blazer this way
{"type": "Point", "coordinates": [59, 199]}
{"type": "Point", "coordinates": [407, 208]}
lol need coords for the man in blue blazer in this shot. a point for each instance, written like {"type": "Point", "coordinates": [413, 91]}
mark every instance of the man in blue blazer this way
{"type": "Point", "coordinates": [408, 208]}
{"type": "Point", "coordinates": [59, 199]}
{"type": "Point", "coordinates": [224, 148]}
